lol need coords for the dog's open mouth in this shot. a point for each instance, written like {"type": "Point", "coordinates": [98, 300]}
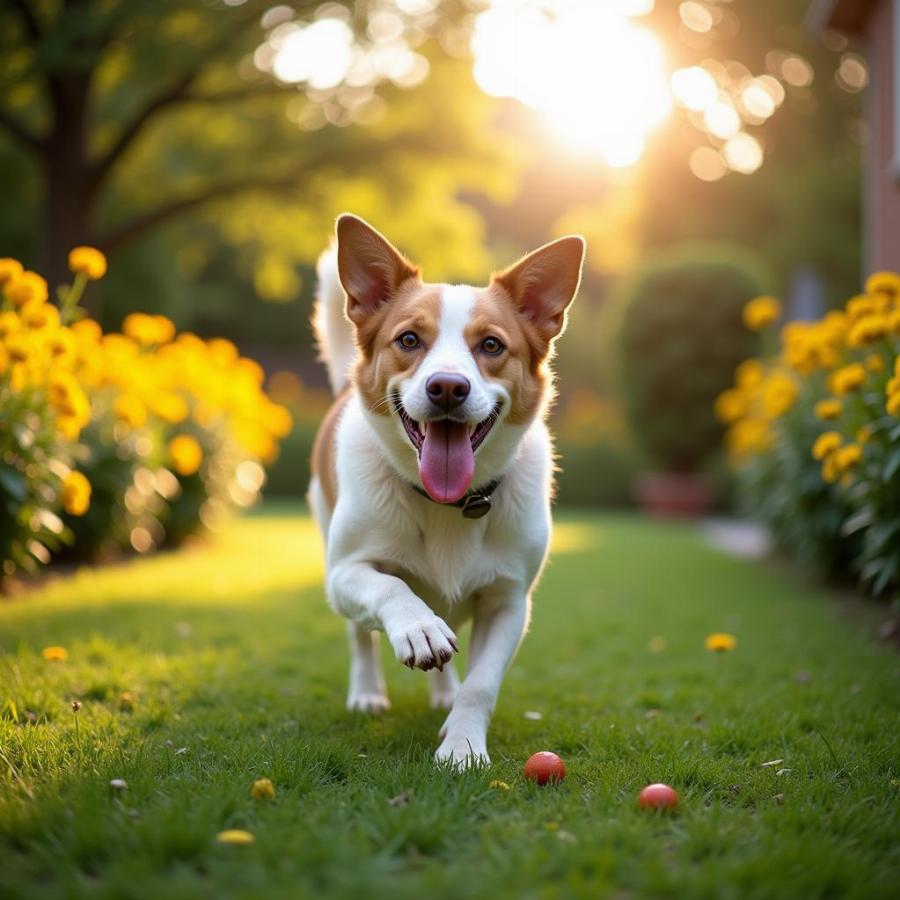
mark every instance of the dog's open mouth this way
{"type": "Point", "coordinates": [446, 450]}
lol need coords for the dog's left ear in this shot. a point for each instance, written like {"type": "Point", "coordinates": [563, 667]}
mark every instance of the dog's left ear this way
{"type": "Point", "coordinates": [545, 282]}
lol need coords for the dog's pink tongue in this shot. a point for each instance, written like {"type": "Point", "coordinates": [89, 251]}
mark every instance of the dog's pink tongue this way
{"type": "Point", "coordinates": [447, 462]}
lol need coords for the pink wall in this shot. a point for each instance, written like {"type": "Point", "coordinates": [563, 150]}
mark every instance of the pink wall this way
{"type": "Point", "coordinates": [882, 196]}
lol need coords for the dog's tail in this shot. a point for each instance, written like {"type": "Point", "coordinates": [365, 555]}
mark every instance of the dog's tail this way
{"type": "Point", "coordinates": [334, 334]}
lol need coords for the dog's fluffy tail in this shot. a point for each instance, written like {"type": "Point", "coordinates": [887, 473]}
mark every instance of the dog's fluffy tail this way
{"type": "Point", "coordinates": [334, 334]}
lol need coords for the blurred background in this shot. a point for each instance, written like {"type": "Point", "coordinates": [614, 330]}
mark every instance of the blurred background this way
{"type": "Point", "coordinates": [709, 150]}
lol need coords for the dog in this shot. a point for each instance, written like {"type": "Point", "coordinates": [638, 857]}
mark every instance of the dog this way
{"type": "Point", "coordinates": [432, 473]}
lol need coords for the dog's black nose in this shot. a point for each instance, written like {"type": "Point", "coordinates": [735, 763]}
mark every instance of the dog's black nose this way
{"type": "Point", "coordinates": [447, 390]}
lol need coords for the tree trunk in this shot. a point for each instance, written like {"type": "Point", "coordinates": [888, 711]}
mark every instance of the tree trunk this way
{"type": "Point", "coordinates": [67, 200]}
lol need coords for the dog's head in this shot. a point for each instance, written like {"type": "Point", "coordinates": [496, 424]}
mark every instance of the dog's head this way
{"type": "Point", "coordinates": [452, 375]}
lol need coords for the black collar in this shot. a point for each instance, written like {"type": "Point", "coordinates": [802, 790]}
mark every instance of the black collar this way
{"type": "Point", "coordinates": [474, 505]}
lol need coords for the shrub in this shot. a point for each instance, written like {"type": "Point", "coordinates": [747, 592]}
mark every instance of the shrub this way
{"type": "Point", "coordinates": [815, 434]}
{"type": "Point", "coordinates": [115, 441]}
{"type": "Point", "coordinates": [681, 336]}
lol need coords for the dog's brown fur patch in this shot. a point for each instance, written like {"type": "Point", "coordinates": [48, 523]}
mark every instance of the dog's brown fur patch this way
{"type": "Point", "coordinates": [416, 307]}
{"type": "Point", "coordinates": [323, 453]}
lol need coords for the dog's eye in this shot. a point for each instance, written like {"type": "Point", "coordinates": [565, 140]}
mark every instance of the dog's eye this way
{"type": "Point", "coordinates": [409, 340]}
{"type": "Point", "coordinates": [492, 346]}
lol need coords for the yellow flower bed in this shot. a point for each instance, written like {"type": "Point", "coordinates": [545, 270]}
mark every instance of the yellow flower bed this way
{"type": "Point", "coordinates": [68, 392]}
{"type": "Point", "coordinates": [830, 393]}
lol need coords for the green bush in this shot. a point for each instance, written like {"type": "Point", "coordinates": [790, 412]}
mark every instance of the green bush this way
{"type": "Point", "coordinates": [680, 339]}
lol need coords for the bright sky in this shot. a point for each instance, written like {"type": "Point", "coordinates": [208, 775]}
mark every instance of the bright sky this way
{"type": "Point", "coordinates": [592, 70]}
{"type": "Point", "coordinates": [596, 77]}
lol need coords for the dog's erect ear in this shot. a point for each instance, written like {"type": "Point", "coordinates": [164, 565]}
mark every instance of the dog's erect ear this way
{"type": "Point", "coordinates": [545, 282]}
{"type": "Point", "coordinates": [369, 266]}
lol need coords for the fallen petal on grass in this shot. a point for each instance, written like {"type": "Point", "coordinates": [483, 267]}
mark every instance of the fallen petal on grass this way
{"type": "Point", "coordinates": [118, 784]}
{"type": "Point", "coordinates": [532, 715]}
{"type": "Point", "coordinates": [772, 762]}
{"type": "Point", "coordinates": [235, 836]}
{"type": "Point", "coordinates": [720, 642]}
{"type": "Point", "coordinates": [263, 789]}
{"type": "Point", "coordinates": [400, 799]}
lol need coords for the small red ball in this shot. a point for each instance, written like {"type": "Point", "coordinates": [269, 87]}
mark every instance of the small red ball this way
{"type": "Point", "coordinates": [543, 767]}
{"type": "Point", "coordinates": [658, 796]}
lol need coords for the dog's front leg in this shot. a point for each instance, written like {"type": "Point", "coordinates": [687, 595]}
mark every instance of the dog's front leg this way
{"type": "Point", "coordinates": [375, 600]}
{"type": "Point", "coordinates": [499, 622]}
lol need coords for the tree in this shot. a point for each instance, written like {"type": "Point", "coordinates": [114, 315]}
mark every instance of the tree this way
{"type": "Point", "coordinates": [121, 118]}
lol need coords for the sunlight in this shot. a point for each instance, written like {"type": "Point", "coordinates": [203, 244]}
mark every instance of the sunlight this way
{"type": "Point", "coordinates": [597, 79]}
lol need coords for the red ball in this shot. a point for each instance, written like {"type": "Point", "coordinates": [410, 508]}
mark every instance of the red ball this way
{"type": "Point", "coordinates": [658, 796]}
{"type": "Point", "coordinates": [543, 767]}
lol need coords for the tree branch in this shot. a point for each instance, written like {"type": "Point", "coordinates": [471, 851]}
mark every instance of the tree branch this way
{"type": "Point", "coordinates": [19, 131]}
{"type": "Point", "coordinates": [29, 19]}
{"type": "Point", "coordinates": [173, 94]}
{"type": "Point", "coordinates": [128, 231]}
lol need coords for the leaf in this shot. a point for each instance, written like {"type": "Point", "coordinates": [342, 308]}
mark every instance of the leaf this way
{"type": "Point", "coordinates": [857, 522]}
{"type": "Point", "coordinates": [13, 483]}
{"type": "Point", "coordinates": [893, 465]}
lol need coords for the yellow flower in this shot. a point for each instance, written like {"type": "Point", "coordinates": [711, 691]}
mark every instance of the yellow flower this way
{"type": "Point", "coordinates": [883, 283]}
{"type": "Point", "coordinates": [830, 408]}
{"type": "Point", "coordinates": [87, 261]}
{"type": "Point", "coordinates": [76, 494]}
{"type": "Point", "coordinates": [262, 789]}
{"type": "Point", "coordinates": [498, 785]}
{"type": "Point", "coordinates": [25, 287]}
{"type": "Point", "coordinates": [847, 379]}
{"type": "Point", "coordinates": [778, 395]}
{"type": "Point", "coordinates": [130, 410]}
{"type": "Point", "coordinates": [171, 408]}
{"type": "Point", "coordinates": [863, 434]}
{"type": "Point", "coordinates": [186, 454]}
{"type": "Point", "coordinates": [847, 457]}
{"type": "Point", "coordinates": [893, 322]}
{"type": "Point", "coordinates": [830, 470]}
{"type": "Point", "coordinates": [38, 314]}
{"type": "Point", "coordinates": [761, 312]}
{"type": "Point", "coordinates": [9, 268]}
{"type": "Point", "coordinates": [720, 642]}
{"type": "Point", "coordinates": [235, 836]}
{"type": "Point", "coordinates": [893, 405]}
{"type": "Point", "coordinates": [874, 363]}
{"type": "Point", "coordinates": [55, 654]}
{"type": "Point", "coordinates": [4, 360]}
{"type": "Point", "coordinates": [825, 444]}
{"type": "Point", "coordinates": [749, 373]}
{"type": "Point", "coordinates": [87, 330]}
{"type": "Point", "coordinates": [867, 330]}
{"type": "Point", "coordinates": [9, 324]}
{"type": "Point", "coordinates": [147, 330]}
{"type": "Point", "coordinates": [731, 405]}
{"type": "Point", "coordinates": [277, 420]}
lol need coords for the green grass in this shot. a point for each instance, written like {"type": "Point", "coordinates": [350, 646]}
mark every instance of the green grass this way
{"type": "Point", "coordinates": [238, 668]}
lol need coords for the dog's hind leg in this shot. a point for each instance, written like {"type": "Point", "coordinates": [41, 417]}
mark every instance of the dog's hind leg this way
{"type": "Point", "coordinates": [442, 686]}
{"type": "Point", "coordinates": [367, 688]}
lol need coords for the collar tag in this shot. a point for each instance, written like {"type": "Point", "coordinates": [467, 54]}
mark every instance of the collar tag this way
{"type": "Point", "coordinates": [476, 505]}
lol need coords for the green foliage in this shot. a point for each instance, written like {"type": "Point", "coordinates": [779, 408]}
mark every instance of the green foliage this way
{"type": "Point", "coordinates": [145, 128]}
{"type": "Point", "coordinates": [783, 488]}
{"type": "Point", "coordinates": [681, 337]}
{"type": "Point", "coordinates": [32, 457]}
{"type": "Point", "coordinates": [238, 671]}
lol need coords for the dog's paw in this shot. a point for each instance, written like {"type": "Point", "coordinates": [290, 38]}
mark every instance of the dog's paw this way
{"type": "Point", "coordinates": [424, 643]}
{"type": "Point", "coordinates": [372, 703]}
{"type": "Point", "coordinates": [462, 751]}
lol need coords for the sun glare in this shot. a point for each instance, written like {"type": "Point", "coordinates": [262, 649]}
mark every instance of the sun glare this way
{"type": "Point", "coordinates": [597, 79]}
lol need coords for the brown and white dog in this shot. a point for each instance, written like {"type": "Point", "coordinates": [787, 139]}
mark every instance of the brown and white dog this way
{"type": "Point", "coordinates": [432, 472]}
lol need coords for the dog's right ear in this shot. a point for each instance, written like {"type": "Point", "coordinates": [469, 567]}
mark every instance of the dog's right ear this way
{"type": "Point", "coordinates": [370, 267]}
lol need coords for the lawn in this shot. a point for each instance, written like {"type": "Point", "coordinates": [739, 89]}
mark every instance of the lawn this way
{"type": "Point", "coordinates": [232, 668]}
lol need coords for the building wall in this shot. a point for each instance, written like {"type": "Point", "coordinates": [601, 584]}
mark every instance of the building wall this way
{"type": "Point", "coordinates": [882, 214]}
